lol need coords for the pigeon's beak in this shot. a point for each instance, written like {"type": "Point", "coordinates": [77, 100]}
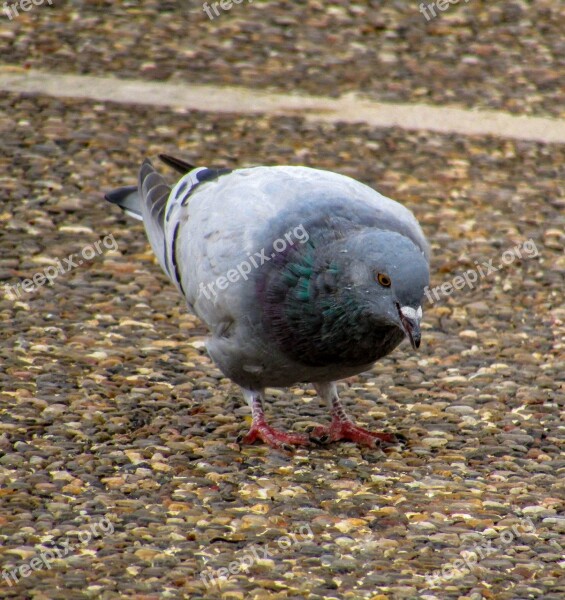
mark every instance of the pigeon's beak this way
{"type": "Point", "coordinates": [410, 320]}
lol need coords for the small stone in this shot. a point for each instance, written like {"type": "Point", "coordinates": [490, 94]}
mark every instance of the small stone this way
{"type": "Point", "coordinates": [460, 410]}
{"type": "Point", "coordinates": [434, 442]}
{"type": "Point", "coordinates": [146, 554]}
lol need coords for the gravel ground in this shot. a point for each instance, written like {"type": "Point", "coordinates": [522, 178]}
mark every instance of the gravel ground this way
{"type": "Point", "coordinates": [501, 55]}
{"type": "Point", "coordinates": [117, 434]}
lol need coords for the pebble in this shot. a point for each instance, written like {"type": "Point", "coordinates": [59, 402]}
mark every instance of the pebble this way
{"type": "Point", "coordinates": [460, 410]}
{"type": "Point", "coordinates": [109, 412]}
{"type": "Point", "coordinates": [321, 42]}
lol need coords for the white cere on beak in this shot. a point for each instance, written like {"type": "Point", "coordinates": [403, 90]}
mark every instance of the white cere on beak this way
{"type": "Point", "coordinates": [410, 313]}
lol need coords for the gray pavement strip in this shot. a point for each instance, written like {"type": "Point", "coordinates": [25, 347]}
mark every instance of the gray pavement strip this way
{"type": "Point", "coordinates": [349, 108]}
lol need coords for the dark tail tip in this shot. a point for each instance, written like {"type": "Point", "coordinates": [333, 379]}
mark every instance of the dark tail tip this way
{"type": "Point", "coordinates": [127, 199]}
{"type": "Point", "coordinates": [120, 195]}
{"type": "Point", "coordinates": [178, 164]}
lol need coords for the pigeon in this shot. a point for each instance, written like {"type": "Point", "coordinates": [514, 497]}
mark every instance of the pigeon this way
{"type": "Point", "coordinates": [301, 276]}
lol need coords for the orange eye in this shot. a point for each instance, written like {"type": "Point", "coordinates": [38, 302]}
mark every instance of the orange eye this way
{"type": "Point", "coordinates": [384, 279]}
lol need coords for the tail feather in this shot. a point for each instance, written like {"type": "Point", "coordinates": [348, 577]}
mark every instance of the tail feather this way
{"type": "Point", "coordinates": [127, 198]}
{"type": "Point", "coordinates": [154, 193]}
{"type": "Point", "coordinates": [149, 201]}
{"type": "Point", "coordinates": [178, 164]}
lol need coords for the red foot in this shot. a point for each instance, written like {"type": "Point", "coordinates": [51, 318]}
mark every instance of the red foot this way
{"type": "Point", "coordinates": [274, 438]}
{"type": "Point", "coordinates": [347, 430]}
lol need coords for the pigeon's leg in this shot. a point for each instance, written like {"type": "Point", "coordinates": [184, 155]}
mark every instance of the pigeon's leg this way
{"type": "Point", "coordinates": [261, 431]}
{"type": "Point", "coordinates": [342, 427]}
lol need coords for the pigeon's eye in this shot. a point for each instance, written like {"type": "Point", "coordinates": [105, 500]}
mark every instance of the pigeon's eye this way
{"type": "Point", "coordinates": [384, 279]}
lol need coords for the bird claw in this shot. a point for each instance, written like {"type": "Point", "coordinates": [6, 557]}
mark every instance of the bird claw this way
{"type": "Point", "coordinates": [274, 438]}
{"type": "Point", "coordinates": [320, 435]}
{"type": "Point", "coordinates": [346, 430]}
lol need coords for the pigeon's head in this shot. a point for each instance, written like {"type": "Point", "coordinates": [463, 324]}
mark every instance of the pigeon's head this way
{"type": "Point", "coordinates": [386, 277]}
